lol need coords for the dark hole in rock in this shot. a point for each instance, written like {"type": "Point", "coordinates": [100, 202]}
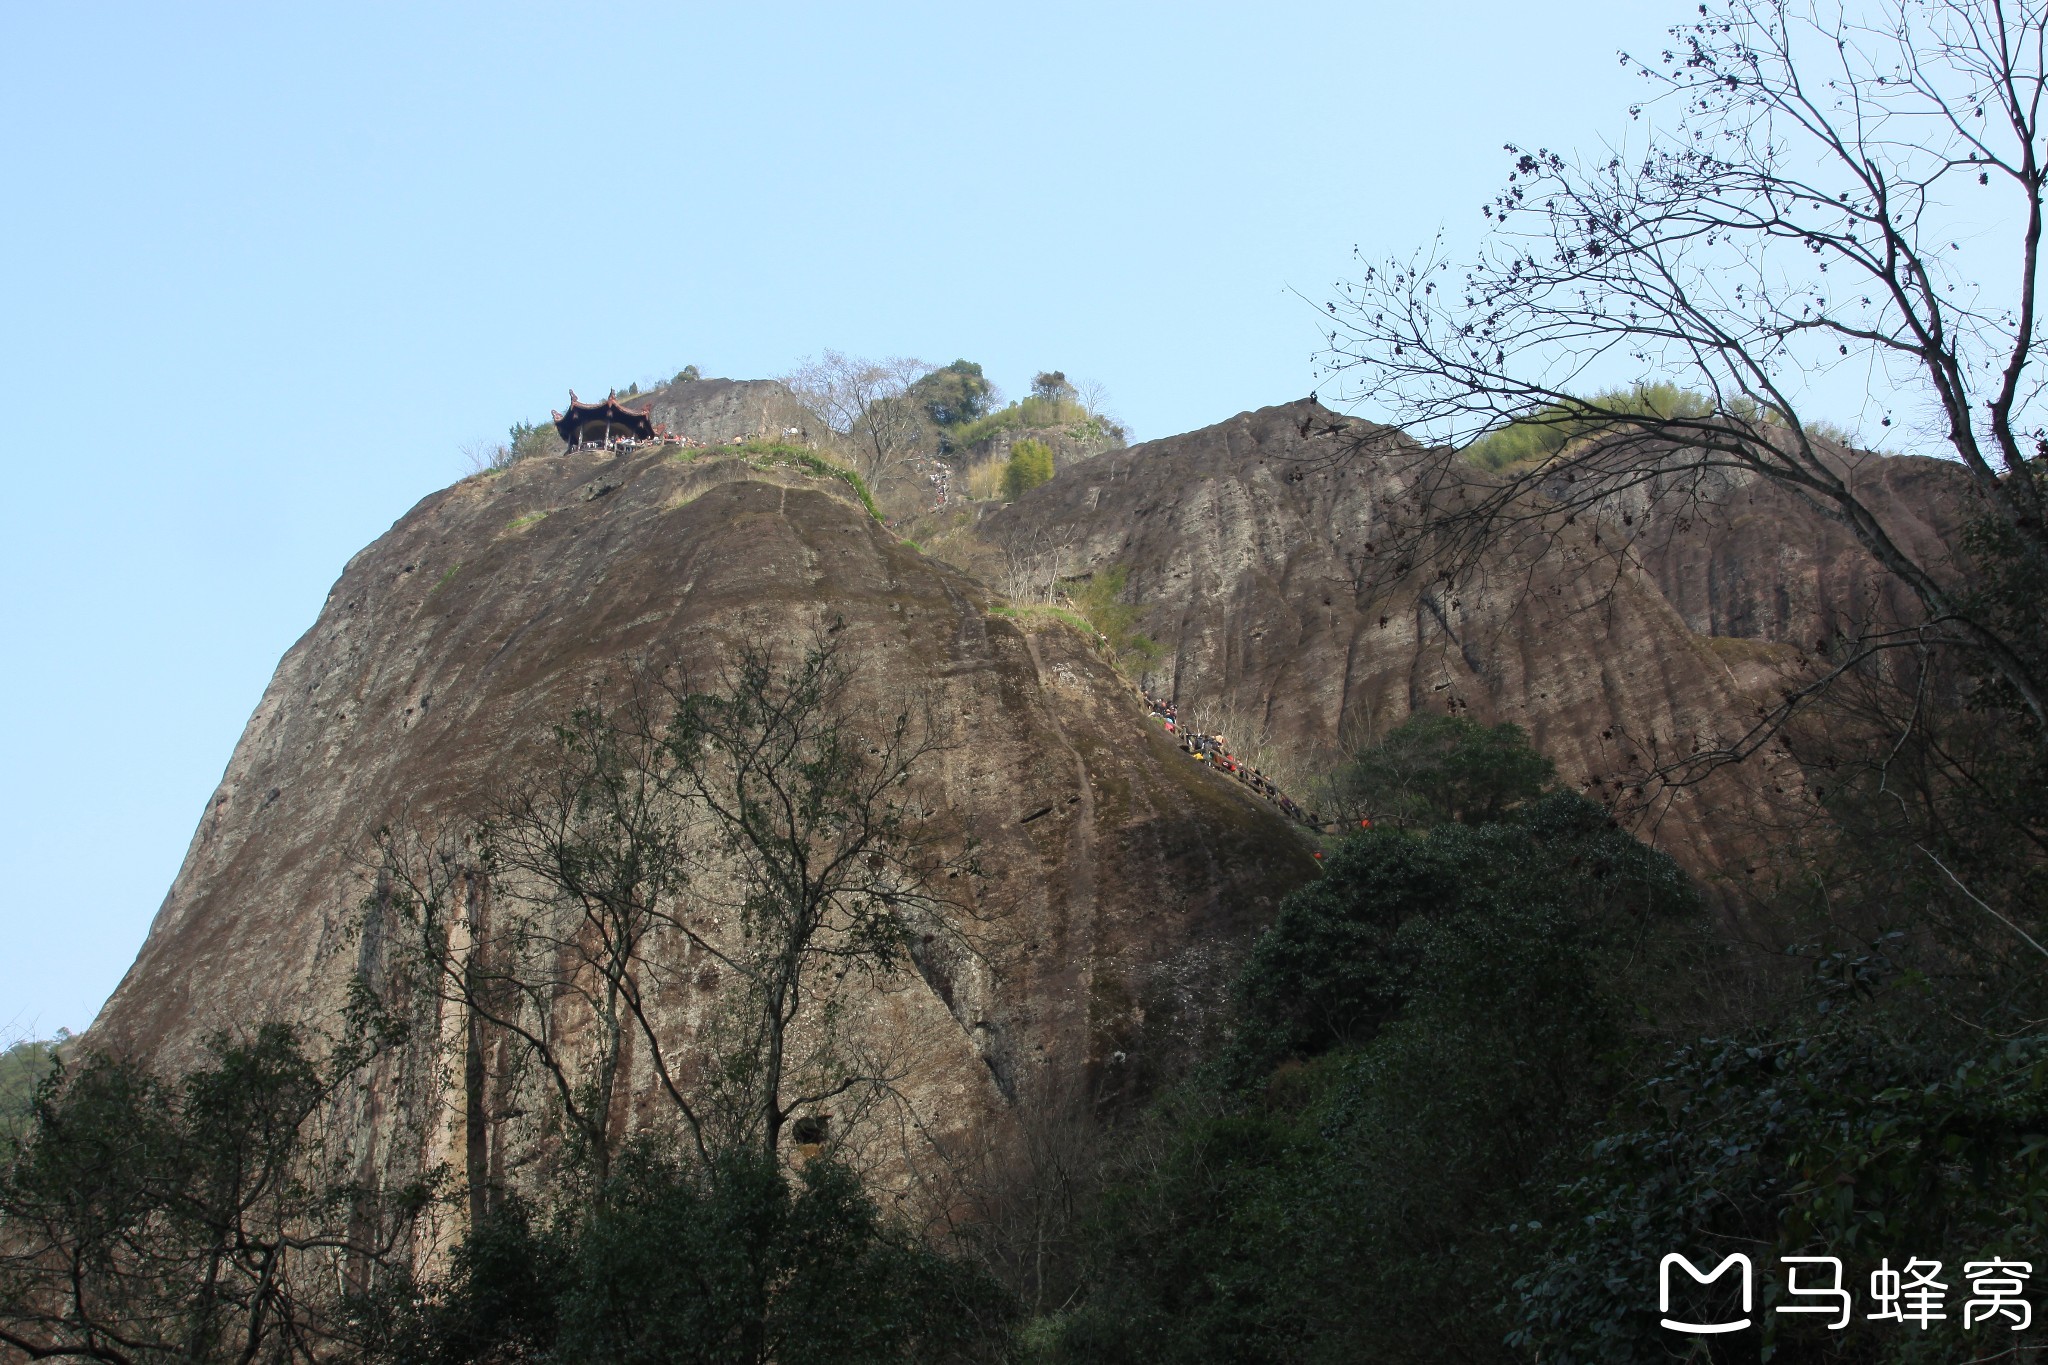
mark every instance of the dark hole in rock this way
{"type": "Point", "coordinates": [810, 1130]}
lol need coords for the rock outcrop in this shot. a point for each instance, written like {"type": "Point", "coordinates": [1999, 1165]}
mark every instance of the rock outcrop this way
{"type": "Point", "coordinates": [1113, 869]}
{"type": "Point", "coordinates": [716, 411]}
{"type": "Point", "coordinates": [1742, 558]}
{"type": "Point", "coordinates": [1120, 876]}
{"type": "Point", "coordinates": [1070, 443]}
{"type": "Point", "coordinates": [1256, 549]}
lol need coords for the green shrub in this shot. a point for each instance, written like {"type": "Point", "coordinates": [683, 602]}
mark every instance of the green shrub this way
{"type": "Point", "coordinates": [1101, 603]}
{"type": "Point", "coordinates": [1433, 769]}
{"type": "Point", "coordinates": [766, 453]}
{"type": "Point", "coordinates": [1423, 1033]}
{"type": "Point", "coordinates": [1035, 414]}
{"type": "Point", "coordinates": [1030, 466]}
{"type": "Point", "coordinates": [1546, 432]}
{"type": "Point", "coordinates": [22, 1068]}
{"type": "Point", "coordinates": [530, 439]}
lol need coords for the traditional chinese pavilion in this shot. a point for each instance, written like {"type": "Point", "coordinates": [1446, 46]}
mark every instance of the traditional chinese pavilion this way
{"type": "Point", "coordinates": [603, 424]}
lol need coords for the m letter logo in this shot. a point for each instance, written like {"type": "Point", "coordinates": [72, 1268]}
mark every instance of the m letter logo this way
{"type": "Point", "coordinates": [1664, 1292]}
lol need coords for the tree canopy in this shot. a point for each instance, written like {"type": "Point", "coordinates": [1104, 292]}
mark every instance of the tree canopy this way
{"type": "Point", "coordinates": [1436, 768]}
{"type": "Point", "coordinates": [954, 394]}
{"type": "Point", "coordinates": [1030, 465]}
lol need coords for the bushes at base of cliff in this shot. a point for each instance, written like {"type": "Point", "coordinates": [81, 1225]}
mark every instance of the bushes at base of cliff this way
{"type": "Point", "coordinates": [731, 1261]}
{"type": "Point", "coordinates": [1421, 1034]}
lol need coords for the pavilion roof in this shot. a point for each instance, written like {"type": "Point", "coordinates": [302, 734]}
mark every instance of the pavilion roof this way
{"type": "Point", "coordinates": [637, 420]}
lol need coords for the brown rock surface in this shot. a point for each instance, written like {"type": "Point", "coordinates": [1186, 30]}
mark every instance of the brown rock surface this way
{"type": "Point", "coordinates": [449, 645]}
{"type": "Point", "coordinates": [717, 410]}
{"type": "Point", "coordinates": [1748, 559]}
{"type": "Point", "coordinates": [1254, 548]}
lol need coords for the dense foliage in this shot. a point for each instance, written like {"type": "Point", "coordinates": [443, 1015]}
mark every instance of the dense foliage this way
{"type": "Point", "coordinates": [22, 1068]}
{"type": "Point", "coordinates": [1860, 1141]}
{"type": "Point", "coordinates": [1464, 1113]}
{"type": "Point", "coordinates": [1030, 465]}
{"type": "Point", "coordinates": [735, 1261]}
{"type": "Point", "coordinates": [1438, 768]}
{"type": "Point", "coordinates": [954, 395]}
{"type": "Point", "coordinates": [526, 440]}
{"type": "Point", "coordinates": [151, 1221]}
{"type": "Point", "coordinates": [1420, 1035]}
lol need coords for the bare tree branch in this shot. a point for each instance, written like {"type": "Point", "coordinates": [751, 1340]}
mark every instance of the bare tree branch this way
{"type": "Point", "coordinates": [1803, 210]}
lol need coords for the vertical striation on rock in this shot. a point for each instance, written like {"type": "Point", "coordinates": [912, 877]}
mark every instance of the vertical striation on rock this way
{"type": "Point", "coordinates": [1257, 550]}
{"type": "Point", "coordinates": [448, 646]}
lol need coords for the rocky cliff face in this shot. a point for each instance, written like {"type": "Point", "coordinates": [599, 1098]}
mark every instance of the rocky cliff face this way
{"type": "Point", "coordinates": [1119, 875]}
{"type": "Point", "coordinates": [719, 410]}
{"type": "Point", "coordinates": [1113, 867]}
{"type": "Point", "coordinates": [1256, 549]}
{"type": "Point", "coordinates": [1750, 560]}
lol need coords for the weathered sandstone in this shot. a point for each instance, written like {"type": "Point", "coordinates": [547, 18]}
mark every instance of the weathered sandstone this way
{"type": "Point", "coordinates": [448, 646]}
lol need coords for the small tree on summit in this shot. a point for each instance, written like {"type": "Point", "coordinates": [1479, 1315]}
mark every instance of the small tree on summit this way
{"type": "Point", "coordinates": [1052, 386]}
{"type": "Point", "coordinates": [955, 394]}
{"type": "Point", "coordinates": [869, 404]}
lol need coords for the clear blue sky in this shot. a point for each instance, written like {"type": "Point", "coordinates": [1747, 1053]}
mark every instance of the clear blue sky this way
{"type": "Point", "coordinates": [267, 267]}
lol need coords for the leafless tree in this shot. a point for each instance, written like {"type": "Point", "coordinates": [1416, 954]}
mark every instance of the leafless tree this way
{"type": "Point", "coordinates": [1019, 1195]}
{"type": "Point", "coordinates": [866, 403]}
{"type": "Point", "coordinates": [1094, 395]}
{"type": "Point", "coordinates": [684, 883]}
{"type": "Point", "coordinates": [1032, 571]}
{"type": "Point", "coordinates": [481, 455]}
{"type": "Point", "coordinates": [1830, 194]}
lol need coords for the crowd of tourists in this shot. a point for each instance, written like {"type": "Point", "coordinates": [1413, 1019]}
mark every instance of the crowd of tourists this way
{"type": "Point", "coordinates": [1214, 751]}
{"type": "Point", "coordinates": [664, 437]}
{"type": "Point", "coordinates": [660, 438]}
